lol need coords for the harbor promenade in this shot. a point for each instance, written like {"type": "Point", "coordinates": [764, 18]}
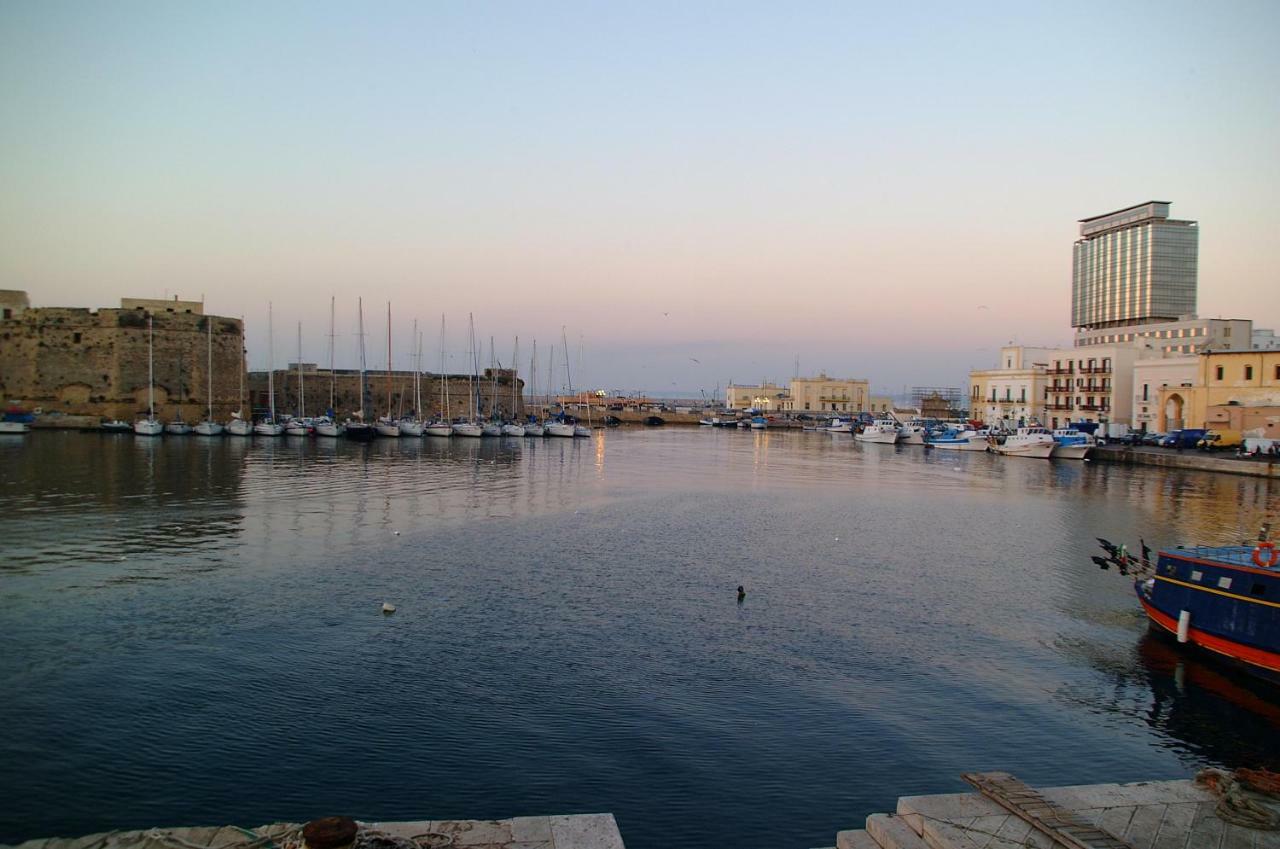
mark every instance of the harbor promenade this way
{"type": "Point", "coordinates": [1004, 813]}
{"type": "Point", "coordinates": [1201, 461]}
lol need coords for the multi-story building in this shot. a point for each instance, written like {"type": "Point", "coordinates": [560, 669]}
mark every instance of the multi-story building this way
{"type": "Point", "coordinates": [1236, 389]}
{"type": "Point", "coordinates": [1014, 392]}
{"type": "Point", "coordinates": [1187, 335]}
{"type": "Point", "coordinates": [1265, 340]}
{"type": "Point", "coordinates": [1153, 376]}
{"type": "Point", "coordinates": [826, 394]}
{"type": "Point", "coordinates": [764, 396]}
{"type": "Point", "coordinates": [1132, 267]}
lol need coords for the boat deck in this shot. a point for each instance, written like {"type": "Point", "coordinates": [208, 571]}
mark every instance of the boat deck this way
{"type": "Point", "coordinates": [1236, 555]}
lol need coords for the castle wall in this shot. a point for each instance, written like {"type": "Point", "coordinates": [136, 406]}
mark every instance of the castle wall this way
{"type": "Point", "coordinates": [87, 362]}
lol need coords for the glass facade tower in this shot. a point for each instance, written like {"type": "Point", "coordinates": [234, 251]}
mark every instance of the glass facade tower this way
{"type": "Point", "coordinates": [1133, 266]}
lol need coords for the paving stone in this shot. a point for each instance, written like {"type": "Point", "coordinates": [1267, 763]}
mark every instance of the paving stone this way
{"type": "Point", "coordinates": [476, 832]}
{"type": "Point", "coordinates": [948, 806]}
{"type": "Point", "coordinates": [531, 829]}
{"type": "Point", "coordinates": [856, 839]}
{"type": "Point", "coordinates": [585, 831]}
{"type": "Point", "coordinates": [892, 832]}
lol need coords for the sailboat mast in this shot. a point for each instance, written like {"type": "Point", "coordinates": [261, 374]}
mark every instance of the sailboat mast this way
{"type": "Point", "coordinates": [333, 378]}
{"type": "Point", "coordinates": [444, 378]}
{"type": "Point", "coordinates": [244, 366]}
{"type": "Point", "coordinates": [208, 368]}
{"type": "Point", "coordinates": [302, 391]}
{"type": "Point", "coordinates": [151, 368]}
{"type": "Point", "coordinates": [388, 359]}
{"type": "Point", "coordinates": [271, 364]}
{"type": "Point", "coordinates": [515, 358]}
{"type": "Point", "coordinates": [360, 308]}
{"type": "Point", "coordinates": [417, 374]}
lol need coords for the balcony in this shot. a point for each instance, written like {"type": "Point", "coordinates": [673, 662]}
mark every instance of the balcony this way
{"type": "Point", "coordinates": [1058, 371]}
{"type": "Point", "coordinates": [1096, 408]}
{"type": "Point", "coordinates": [1058, 407]}
{"type": "Point", "coordinates": [1096, 370]}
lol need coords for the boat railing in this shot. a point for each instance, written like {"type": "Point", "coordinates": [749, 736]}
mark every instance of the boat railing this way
{"type": "Point", "coordinates": [1237, 555]}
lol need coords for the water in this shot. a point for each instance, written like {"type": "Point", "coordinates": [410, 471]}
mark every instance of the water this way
{"type": "Point", "coordinates": [192, 631]}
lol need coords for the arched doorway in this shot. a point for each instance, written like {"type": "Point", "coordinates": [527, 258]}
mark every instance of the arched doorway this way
{"type": "Point", "coordinates": [1173, 412]}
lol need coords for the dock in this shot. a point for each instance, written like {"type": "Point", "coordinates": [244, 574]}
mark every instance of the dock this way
{"type": "Point", "coordinates": [1002, 813]}
{"type": "Point", "coordinates": [1200, 461]}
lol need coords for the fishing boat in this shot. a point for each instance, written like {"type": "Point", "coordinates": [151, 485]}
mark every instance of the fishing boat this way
{"type": "Point", "coordinates": [440, 426]}
{"type": "Point", "coordinates": [912, 433]}
{"type": "Point", "coordinates": [1033, 441]}
{"type": "Point", "coordinates": [359, 429]}
{"type": "Point", "coordinates": [882, 431]}
{"type": "Point", "coordinates": [470, 428]}
{"type": "Point", "coordinates": [953, 439]}
{"type": "Point", "coordinates": [759, 423]}
{"type": "Point", "coordinates": [839, 425]}
{"type": "Point", "coordinates": [209, 427]}
{"type": "Point", "coordinates": [327, 425]}
{"type": "Point", "coordinates": [150, 426]}
{"type": "Point", "coordinates": [1071, 444]}
{"type": "Point", "coordinates": [1223, 600]}
{"type": "Point", "coordinates": [13, 427]}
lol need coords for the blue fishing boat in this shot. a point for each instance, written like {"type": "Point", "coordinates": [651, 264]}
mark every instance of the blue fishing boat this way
{"type": "Point", "coordinates": [1071, 444]}
{"type": "Point", "coordinates": [1224, 600]}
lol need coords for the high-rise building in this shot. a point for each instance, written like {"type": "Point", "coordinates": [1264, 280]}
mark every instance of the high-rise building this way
{"type": "Point", "coordinates": [1133, 266]}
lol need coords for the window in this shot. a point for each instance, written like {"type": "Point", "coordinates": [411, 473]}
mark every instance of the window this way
{"type": "Point", "coordinates": [1278, 372]}
{"type": "Point", "coordinates": [1217, 373]}
{"type": "Point", "coordinates": [1145, 387]}
{"type": "Point", "coordinates": [1226, 332]}
{"type": "Point", "coordinates": [1248, 370]}
{"type": "Point", "coordinates": [1196, 575]}
{"type": "Point", "coordinates": [8, 313]}
{"type": "Point", "coordinates": [75, 338]}
{"type": "Point", "coordinates": [1022, 397]}
{"type": "Point", "coordinates": [1106, 364]}
{"type": "Point", "coordinates": [1008, 363]}
{"type": "Point", "coordinates": [1224, 583]}
{"type": "Point", "coordinates": [1258, 590]}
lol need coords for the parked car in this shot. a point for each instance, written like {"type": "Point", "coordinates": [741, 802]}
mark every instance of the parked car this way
{"type": "Point", "coordinates": [1220, 440]}
{"type": "Point", "coordinates": [1153, 437]}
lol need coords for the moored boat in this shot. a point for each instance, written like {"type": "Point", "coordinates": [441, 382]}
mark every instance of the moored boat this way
{"type": "Point", "coordinates": [469, 429]}
{"type": "Point", "coordinates": [883, 431]}
{"type": "Point", "coordinates": [115, 426]}
{"type": "Point", "coordinates": [958, 440]}
{"type": "Point", "coordinates": [150, 426]}
{"type": "Point", "coordinates": [1071, 444]}
{"type": "Point", "coordinates": [1032, 441]}
{"type": "Point", "coordinates": [10, 427]}
{"type": "Point", "coordinates": [839, 425]}
{"type": "Point", "coordinates": [1219, 599]}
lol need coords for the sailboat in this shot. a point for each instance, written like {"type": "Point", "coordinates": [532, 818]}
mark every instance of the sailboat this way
{"type": "Point", "coordinates": [298, 425]}
{"type": "Point", "coordinates": [561, 425]}
{"type": "Point", "coordinates": [491, 426]}
{"type": "Point", "coordinates": [470, 427]}
{"type": "Point", "coordinates": [578, 430]}
{"type": "Point", "coordinates": [209, 427]}
{"type": "Point", "coordinates": [411, 425]}
{"type": "Point", "coordinates": [149, 426]}
{"type": "Point", "coordinates": [326, 425]}
{"type": "Point", "coordinates": [178, 427]}
{"type": "Point", "coordinates": [514, 428]}
{"type": "Point", "coordinates": [533, 427]}
{"type": "Point", "coordinates": [386, 426]}
{"type": "Point", "coordinates": [268, 426]}
{"type": "Point", "coordinates": [360, 430]}
{"type": "Point", "coordinates": [239, 426]}
{"type": "Point", "coordinates": [441, 426]}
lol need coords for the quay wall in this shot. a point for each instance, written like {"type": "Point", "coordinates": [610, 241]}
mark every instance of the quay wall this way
{"type": "Point", "coordinates": [1196, 460]}
{"type": "Point", "coordinates": [94, 362]}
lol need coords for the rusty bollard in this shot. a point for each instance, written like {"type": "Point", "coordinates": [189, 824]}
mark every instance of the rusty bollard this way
{"type": "Point", "coordinates": [329, 833]}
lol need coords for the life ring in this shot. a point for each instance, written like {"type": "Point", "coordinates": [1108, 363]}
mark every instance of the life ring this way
{"type": "Point", "coordinates": [1272, 559]}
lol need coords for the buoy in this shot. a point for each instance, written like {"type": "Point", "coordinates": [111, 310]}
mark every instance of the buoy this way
{"type": "Point", "coordinates": [388, 607]}
{"type": "Point", "coordinates": [397, 533]}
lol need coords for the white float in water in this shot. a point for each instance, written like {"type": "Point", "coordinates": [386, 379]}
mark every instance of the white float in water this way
{"type": "Point", "coordinates": [388, 607]}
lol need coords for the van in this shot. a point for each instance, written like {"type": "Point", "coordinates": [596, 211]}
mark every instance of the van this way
{"type": "Point", "coordinates": [1220, 440]}
{"type": "Point", "coordinates": [1185, 438]}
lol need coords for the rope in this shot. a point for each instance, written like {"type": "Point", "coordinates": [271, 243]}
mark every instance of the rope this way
{"type": "Point", "coordinates": [1234, 804]}
{"type": "Point", "coordinates": [1260, 780]}
{"type": "Point", "coordinates": [258, 842]}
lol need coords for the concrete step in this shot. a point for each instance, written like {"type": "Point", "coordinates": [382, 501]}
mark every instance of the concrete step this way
{"type": "Point", "coordinates": [858, 839]}
{"type": "Point", "coordinates": [892, 832]}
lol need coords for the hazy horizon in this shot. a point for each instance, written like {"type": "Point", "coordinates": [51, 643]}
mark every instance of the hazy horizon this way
{"type": "Point", "coordinates": [700, 193]}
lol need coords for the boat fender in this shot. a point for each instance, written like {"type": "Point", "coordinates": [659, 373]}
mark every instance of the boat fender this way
{"type": "Point", "coordinates": [1272, 557]}
{"type": "Point", "coordinates": [1184, 625]}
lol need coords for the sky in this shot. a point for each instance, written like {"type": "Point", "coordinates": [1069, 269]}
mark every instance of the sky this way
{"type": "Point", "coordinates": [696, 193]}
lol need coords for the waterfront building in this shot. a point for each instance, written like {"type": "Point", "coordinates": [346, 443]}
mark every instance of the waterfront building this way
{"type": "Point", "coordinates": [1232, 389]}
{"type": "Point", "coordinates": [1155, 375]}
{"type": "Point", "coordinates": [1264, 340]}
{"type": "Point", "coordinates": [879, 404]}
{"type": "Point", "coordinates": [1132, 267]}
{"type": "Point", "coordinates": [1187, 335]}
{"type": "Point", "coordinates": [826, 394]}
{"type": "Point", "coordinates": [1014, 392]}
{"type": "Point", "coordinates": [78, 361]}
{"type": "Point", "coordinates": [763, 396]}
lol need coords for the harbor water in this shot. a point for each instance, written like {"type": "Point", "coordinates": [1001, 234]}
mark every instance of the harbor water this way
{"type": "Point", "coordinates": [193, 633]}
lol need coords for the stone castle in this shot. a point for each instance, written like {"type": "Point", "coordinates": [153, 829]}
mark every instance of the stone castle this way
{"type": "Point", "coordinates": [80, 361]}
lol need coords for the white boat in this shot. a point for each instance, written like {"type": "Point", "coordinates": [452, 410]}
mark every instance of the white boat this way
{"type": "Point", "coordinates": [150, 426]}
{"type": "Point", "coordinates": [759, 422]}
{"type": "Point", "coordinates": [386, 427]}
{"type": "Point", "coordinates": [358, 430]}
{"type": "Point", "coordinates": [1033, 441]}
{"type": "Point", "coordinates": [959, 440]}
{"type": "Point", "coordinates": [1071, 444]}
{"type": "Point", "coordinates": [534, 429]}
{"type": "Point", "coordinates": [325, 426]}
{"type": "Point", "coordinates": [440, 426]}
{"type": "Point", "coordinates": [511, 429]}
{"type": "Point", "coordinates": [839, 425]}
{"type": "Point", "coordinates": [556, 428]}
{"type": "Point", "coordinates": [438, 429]}
{"type": "Point", "coordinates": [471, 428]}
{"type": "Point", "coordinates": [269, 426]}
{"type": "Point", "coordinates": [14, 427]}
{"type": "Point", "coordinates": [238, 426]}
{"type": "Point", "coordinates": [883, 431]}
{"type": "Point", "coordinates": [581, 430]}
{"type": "Point", "coordinates": [177, 427]}
{"type": "Point", "coordinates": [468, 429]}
{"type": "Point", "coordinates": [209, 427]}
{"type": "Point", "coordinates": [298, 427]}
{"type": "Point", "coordinates": [491, 429]}
{"type": "Point", "coordinates": [410, 427]}
{"type": "Point", "coordinates": [912, 433]}
{"type": "Point", "coordinates": [116, 426]}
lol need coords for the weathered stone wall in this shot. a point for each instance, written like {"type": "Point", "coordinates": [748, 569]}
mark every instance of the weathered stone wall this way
{"type": "Point", "coordinates": [316, 383]}
{"type": "Point", "coordinates": [83, 362]}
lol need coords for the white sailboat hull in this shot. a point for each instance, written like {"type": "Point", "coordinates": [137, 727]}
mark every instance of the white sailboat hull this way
{"type": "Point", "coordinates": [148, 427]}
{"type": "Point", "coordinates": [1038, 450]}
{"type": "Point", "coordinates": [558, 429]}
{"type": "Point", "coordinates": [468, 429]}
{"type": "Point", "coordinates": [579, 430]}
{"type": "Point", "coordinates": [512, 430]}
{"type": "Point", "coordinates": [239, 427]}
{"type": "Point", "coordinates": [410, 428]}
{"type": "Point", "coordinates": [441, 429]}
{"type": "Point", "coordinates": [329, 429]}
{"type": "Point", "coordinates": [384, 429]}
{"type": "Point", "coordinates": [297, 429]}
{"type": "Point", "coordinates": [492, 430]}
{"type": "Point", "coordinates": [14, 427]}
{"type": "Point", "coordinates": [882, 437]}
{"type": "Point", "coordinates": [973, 443]}
{"type": "Point", "coordinates": [177, 428]}
{"type": "Point", "coordinates": [209, 429]}
{"type": "Point", "coordinates": [534, 430]}
{"type": "Point", "coordinates": [268, 429]}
